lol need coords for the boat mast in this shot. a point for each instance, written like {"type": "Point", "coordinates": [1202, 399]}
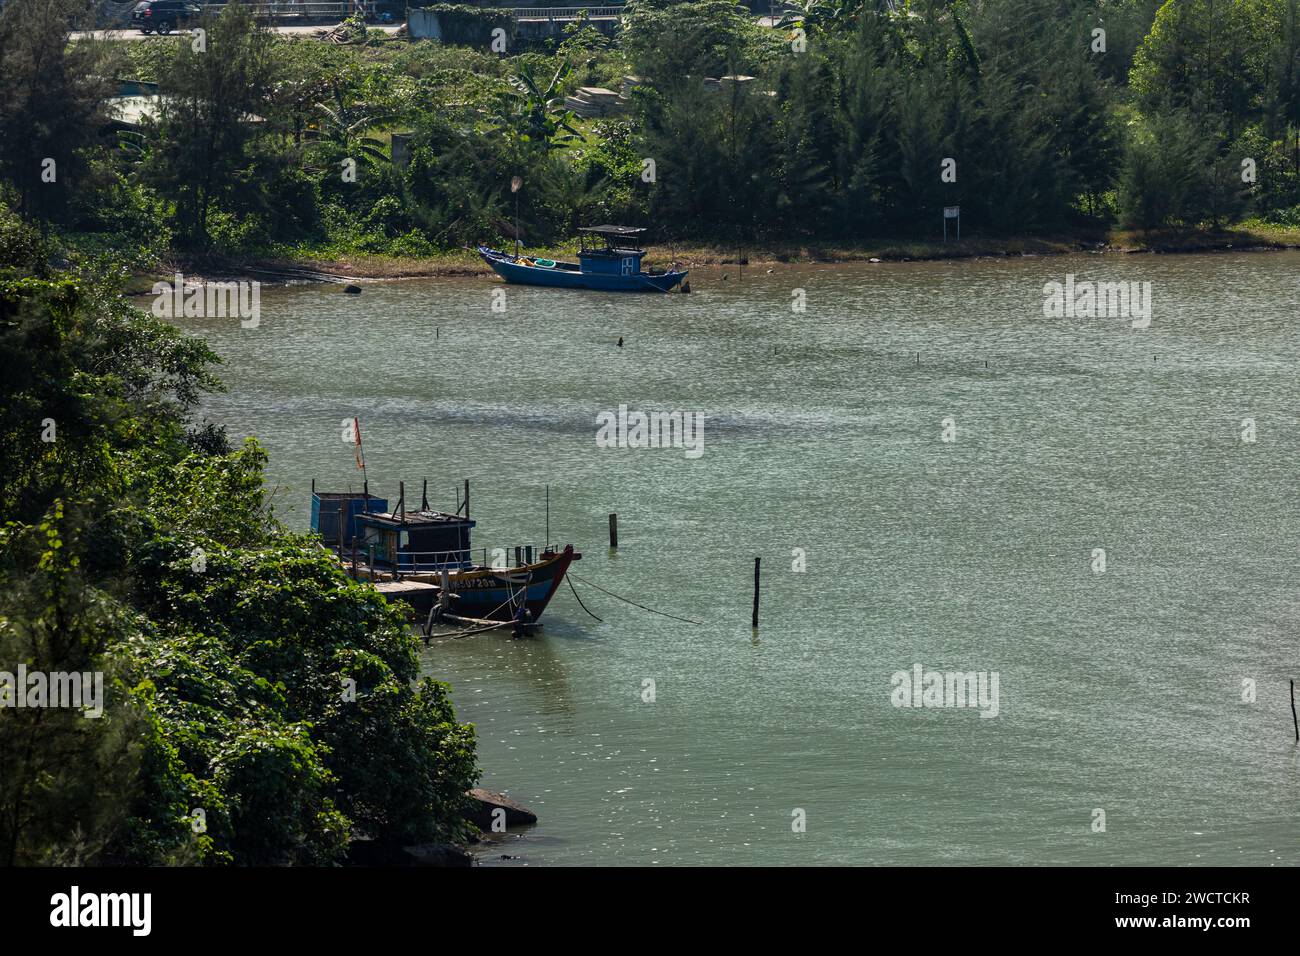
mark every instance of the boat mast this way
{"type": "Point", "coordinates": [515, 183]}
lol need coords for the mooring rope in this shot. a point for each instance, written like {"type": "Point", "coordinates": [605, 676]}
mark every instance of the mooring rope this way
{"type": "Point", "coordinates": [575, 594]}
{"type": "Point", "coordinates": [480, 630]}
{"type": "Point", "coordinates": [510, 599]}
{"type": "Point", "coordinates": [633, 603]}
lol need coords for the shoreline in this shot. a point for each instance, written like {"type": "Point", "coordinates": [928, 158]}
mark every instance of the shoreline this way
{"type": "Point", "coordinates": [274, 270]}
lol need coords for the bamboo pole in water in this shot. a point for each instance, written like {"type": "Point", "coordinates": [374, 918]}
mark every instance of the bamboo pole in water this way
{"type": "Point", "coordinates": [1295, 722]}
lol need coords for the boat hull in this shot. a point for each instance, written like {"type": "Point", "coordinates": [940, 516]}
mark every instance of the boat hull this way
{"type": "Point", "coordinates": [519, 274]}
{"type": "Point", "coordinates": [486, 593]}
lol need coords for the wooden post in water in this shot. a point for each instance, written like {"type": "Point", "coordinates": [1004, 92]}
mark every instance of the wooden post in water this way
{"type": "Point", "coordinates": [613, 532]}
{"type": "Point", "coordinates": [401, 500]}
{"type": "Point", "coordinates": [757, 561]}
{"type": "Point", "coordinates": [1295, 722]}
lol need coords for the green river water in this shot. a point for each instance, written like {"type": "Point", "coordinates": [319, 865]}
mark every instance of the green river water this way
{"type": "Point", "coordinates": [1119, 691]}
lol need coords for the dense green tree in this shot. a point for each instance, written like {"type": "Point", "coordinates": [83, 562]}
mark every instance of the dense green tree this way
{"type": "Point", "coordinates": [1211, 56]}
{"type": "Point", "coordinates": [215, 100]}
{"type": "Point", "coordinates": [682, 41]}
{"type": "Point", "coordinates": [51, 105]}
{"type": "Point", "coordinates": [1166, 162]}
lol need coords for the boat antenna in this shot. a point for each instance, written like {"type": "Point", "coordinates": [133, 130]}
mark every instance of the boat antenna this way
{"type": "Point", "coordinates": [360, 452]}
{"type": "Point", "coordinates": [547, 542]}
{"type": "Point", "coordinates": [516, 182]}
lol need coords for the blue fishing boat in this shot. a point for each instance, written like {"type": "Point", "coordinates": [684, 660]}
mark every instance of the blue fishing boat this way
{"type": "Point", "coordinates": [609, 259]}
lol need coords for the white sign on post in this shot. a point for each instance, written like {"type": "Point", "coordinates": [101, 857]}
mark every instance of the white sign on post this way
{"type": "Point", "coordinates": [951, 212]}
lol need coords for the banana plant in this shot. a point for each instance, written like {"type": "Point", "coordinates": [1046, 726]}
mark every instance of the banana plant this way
{"type": "Point", "coordinates": [529, 112]}
{"type": "Point", "coordinates": [344, 123]}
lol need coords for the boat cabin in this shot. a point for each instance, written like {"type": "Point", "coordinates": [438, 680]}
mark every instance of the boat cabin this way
{"type": "Point", "coordinates": [334, 515]}
{"type": "Point", "coordinates": [406, 541]}
{"type": "Point", "coordinates": [610, 250]}
{"type": "Point", "coordinates": [416, 540]}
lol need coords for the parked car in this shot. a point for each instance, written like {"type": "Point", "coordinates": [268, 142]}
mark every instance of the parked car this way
{"type": "Point", "coordinates": [163, 16]}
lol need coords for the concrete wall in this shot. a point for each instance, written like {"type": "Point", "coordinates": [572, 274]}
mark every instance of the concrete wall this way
{"type": "Point", "coordinates": [422, 25]}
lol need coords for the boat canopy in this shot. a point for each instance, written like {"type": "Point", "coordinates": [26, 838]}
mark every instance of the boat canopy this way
{"type": "Point", "coordinates": [619, 240]}
{"type": "Point", "coordinates": [612, 230]}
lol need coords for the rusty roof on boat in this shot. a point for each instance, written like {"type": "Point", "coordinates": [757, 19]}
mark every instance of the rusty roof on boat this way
{"type": "Point", "coordinates": [413, 517]}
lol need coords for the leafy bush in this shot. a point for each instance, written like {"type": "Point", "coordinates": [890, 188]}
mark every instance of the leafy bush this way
{"type": "Point", "coordinates": [262, 708]}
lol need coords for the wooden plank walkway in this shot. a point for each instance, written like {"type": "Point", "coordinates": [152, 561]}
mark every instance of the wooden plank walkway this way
{"type": "Point", "coordinates": [418, 594]}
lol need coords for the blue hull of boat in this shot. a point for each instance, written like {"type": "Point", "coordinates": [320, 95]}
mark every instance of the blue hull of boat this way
{"type": "Point", "coordinates": [512, 271]}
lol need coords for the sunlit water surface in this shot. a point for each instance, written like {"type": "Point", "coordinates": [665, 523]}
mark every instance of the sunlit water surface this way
{"type": "Point", "coordinates": [1120, 691]}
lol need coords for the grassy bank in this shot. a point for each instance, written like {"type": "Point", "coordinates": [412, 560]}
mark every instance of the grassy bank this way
{"type": "Point", "coordinates": [306, 264]}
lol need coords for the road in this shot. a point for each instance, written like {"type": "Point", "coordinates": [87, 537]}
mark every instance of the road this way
{"type": "Point", "coordinates": [294, 30]}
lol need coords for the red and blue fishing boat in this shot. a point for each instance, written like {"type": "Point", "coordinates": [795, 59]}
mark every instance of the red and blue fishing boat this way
{"type": "Point", "coordinates": [424, 557]}
{"type": "Point", "coordinates": [609, 260]}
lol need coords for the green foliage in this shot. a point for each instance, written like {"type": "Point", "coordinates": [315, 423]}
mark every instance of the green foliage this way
{"type": "Point", "coordinates": [1173, 174]}
{"type": "Point", "coordinates": [1209, 57]}
{"type": "Point", "coordinates": [107, 379]}
{"type": "Point", "coordinates": [582, 41]}
{"type": "Point", "coordinates": [840, 135]}
{"type": "Point", "coordinates": [528, 113]}
{"type": "Point", "coordinates": [52, 107]}
{"type": "Point", "coordinates": [853, 140]}
{"type": "Point", "coordinates": [671, 40]}
{"type": "Point", "coordinates": [212, 110]}
{"type": "Point", "coordinates": [246, 676]}
{"type": "Point", "coordinates": [22, 247]}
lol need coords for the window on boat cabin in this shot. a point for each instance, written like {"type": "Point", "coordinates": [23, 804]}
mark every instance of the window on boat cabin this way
{"type": "Point", "coordinates": [450, 538]}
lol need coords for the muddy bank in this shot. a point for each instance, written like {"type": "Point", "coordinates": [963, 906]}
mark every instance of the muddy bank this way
{"type": "Point", "coordinates": [459, 263]}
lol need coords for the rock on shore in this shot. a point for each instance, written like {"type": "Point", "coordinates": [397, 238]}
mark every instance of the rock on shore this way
{"type": "Point", "coordinates": [484, 802]}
